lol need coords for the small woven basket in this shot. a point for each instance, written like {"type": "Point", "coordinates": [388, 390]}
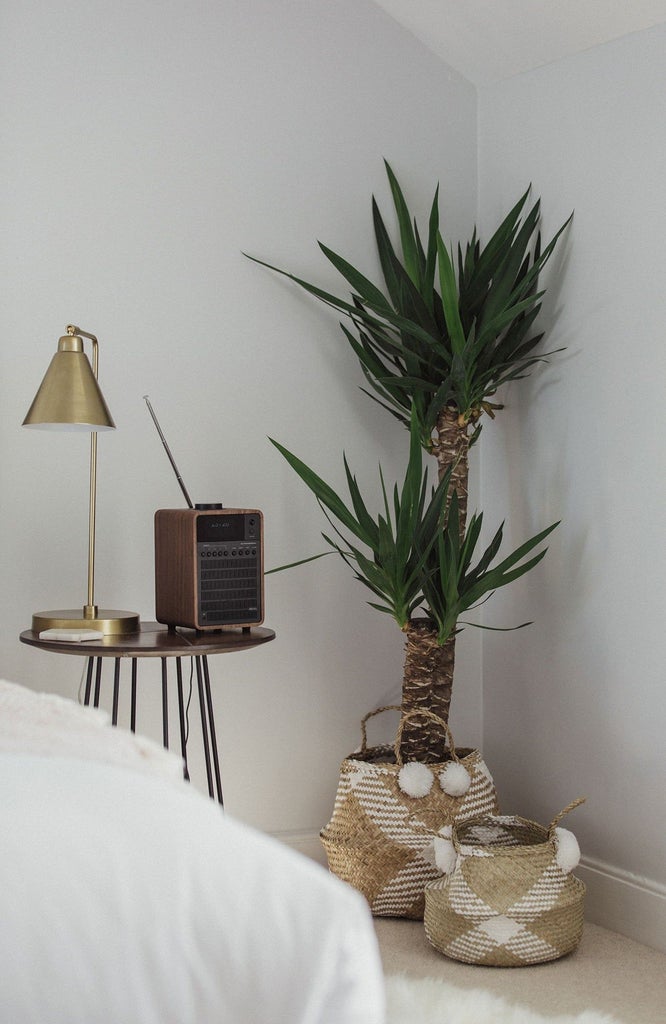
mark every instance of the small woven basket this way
{"type": "Point", "coordinates": [380, 839]}
{"type": "Point", "coordinates": [511, 899]}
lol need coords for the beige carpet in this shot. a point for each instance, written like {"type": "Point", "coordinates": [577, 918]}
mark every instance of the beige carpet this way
{"type": "Point", "coordinates": [608, 973]}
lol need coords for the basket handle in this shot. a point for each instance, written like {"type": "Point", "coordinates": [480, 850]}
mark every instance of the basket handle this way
{"type": "Point", "coordinates": [422, 712]}
{"type": "Point", "coordinates": [558, 817]}
{"type": "Point", "coordinates": [366, 718]}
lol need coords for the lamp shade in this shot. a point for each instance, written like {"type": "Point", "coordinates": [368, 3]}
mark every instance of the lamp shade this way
{"type": "Point", "coordinates": [69, 397]}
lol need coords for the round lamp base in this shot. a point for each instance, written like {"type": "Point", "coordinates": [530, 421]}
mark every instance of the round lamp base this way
{"type": "Point", "coordinates": [108, 621]}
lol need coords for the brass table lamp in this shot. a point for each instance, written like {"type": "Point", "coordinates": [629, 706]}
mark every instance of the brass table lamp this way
{"type": "Point", "coordinates": [69, 398]}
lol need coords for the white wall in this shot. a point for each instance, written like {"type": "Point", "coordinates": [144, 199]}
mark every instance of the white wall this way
{"type": "Point", "coordinates": [144, 147]}
{"type": "Point", "coordinates": [575, 705]}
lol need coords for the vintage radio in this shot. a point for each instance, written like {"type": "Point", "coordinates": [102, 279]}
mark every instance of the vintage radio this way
{"type": "Point", "coordinates": [209, 562]}
{"type": "Point", "coordinates": [209, 567]}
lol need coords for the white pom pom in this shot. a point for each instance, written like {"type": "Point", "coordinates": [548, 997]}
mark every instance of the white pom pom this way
{"type": "Point", "coordinates": [567, 849]}
{"type": "Point", "coordinates": [415, 779]}
{"type": "Point", "coordinates": [455, 779]}
{"type": "Point", "coordinates": [445, 855]}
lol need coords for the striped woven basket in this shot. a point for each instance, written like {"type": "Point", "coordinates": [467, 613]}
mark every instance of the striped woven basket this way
{"type": "Point", "coordinates": [380, 839]}
{"type": "Point", "coordinates": [510, 899]}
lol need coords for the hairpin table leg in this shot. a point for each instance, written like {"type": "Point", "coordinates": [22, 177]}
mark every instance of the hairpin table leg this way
{"type": "Point", "coordinates": [98, 679]}
{"type": "Point", "coordinates": [204, 725]}
{"type": "Point", "coordinates": [165, 705]}
{"type": "Point", "coordinates": [211, 722]}
{"type": "Point", "coordinates": [133, 698]}
{"type": "Point", "coordinates": [208, 735]}
{"type": "Point", "coordinates": [89, 672]}
{"type": "Point", "coordinates": [116, 690]}
{"type": "Point", "coordinates": [181, 718]}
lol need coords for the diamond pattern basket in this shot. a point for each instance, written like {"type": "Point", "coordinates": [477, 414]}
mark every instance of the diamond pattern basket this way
{"type": "Point", "coordinates": [511, 899]}
{"type": "Point", "coordinates": [379, 839]}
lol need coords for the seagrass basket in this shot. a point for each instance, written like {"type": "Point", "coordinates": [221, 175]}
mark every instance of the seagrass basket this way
{"type": "Point", "coordinates": [510, 898]}
{"type": "Point", "coordinates": [380, 838]}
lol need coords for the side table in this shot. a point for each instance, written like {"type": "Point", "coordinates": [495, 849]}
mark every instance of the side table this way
{"type": "Point", "coordinates": [157, 641]}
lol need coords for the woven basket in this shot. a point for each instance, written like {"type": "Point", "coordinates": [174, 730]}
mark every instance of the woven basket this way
{"type": "Point", "coordinates": [379, 839]}
{"type": "Point", "coordinates": [511, 899]}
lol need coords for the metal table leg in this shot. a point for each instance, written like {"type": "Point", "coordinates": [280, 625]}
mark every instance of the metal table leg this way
{"type": "Point", "coordinates": [116, 690]}
{"type": "Point", "coordinates": [86, 698]}
{"type": "Point", "coordinates": [133, 698]}
{"type": "Point", "coordinates": [165, 705]}
{"type": "Point", "coordinates": [208, 735]}
{"type": "Point", "coordinates": [211, 722]}
{"type": "Point", "coordinates": [181, 719]}
{"type": "Point", "coordinates": [98, 679]}
{"type": "Point", "coordinates": [208, 722]}
{"type": "Point", "coordinates": [204, 726]}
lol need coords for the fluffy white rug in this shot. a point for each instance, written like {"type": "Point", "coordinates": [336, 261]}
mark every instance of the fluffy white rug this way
{"type": "Point", "coordinates": [430, 1001]}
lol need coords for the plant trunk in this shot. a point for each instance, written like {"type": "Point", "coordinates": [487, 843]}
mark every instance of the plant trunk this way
{"type": "Point", "coordinates": [427, 683]}
{"type": "Point", "coordinates": [428, 675]}
{"type": "Point", "coordinates": [450, 448]}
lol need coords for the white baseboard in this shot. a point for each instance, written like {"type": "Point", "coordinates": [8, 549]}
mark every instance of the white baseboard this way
{"type": "Point", "coordinates": [624, 902]}
{"type": "Point", "coordinates": [616, 899]}
{"type": "Point", "coordinates": [307, 843]}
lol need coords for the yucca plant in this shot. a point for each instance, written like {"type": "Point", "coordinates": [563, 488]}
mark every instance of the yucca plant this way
{"type": "Point", "coordinates": [435, 344]}
{"type": "Point", "coordinates": [441, 342]}
{"type": "Point", "coordinates": [411, 557]}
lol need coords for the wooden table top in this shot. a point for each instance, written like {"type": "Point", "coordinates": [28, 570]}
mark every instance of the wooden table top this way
{"type": "Point", "coordinates": [155, 640]}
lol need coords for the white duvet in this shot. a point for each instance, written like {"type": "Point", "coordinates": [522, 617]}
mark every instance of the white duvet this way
{"type": "Point", "coordinates": [129, 898]}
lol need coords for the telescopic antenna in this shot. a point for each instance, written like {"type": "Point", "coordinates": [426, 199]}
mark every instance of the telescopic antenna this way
{"type": "Point", "coordinates": [168, 451]}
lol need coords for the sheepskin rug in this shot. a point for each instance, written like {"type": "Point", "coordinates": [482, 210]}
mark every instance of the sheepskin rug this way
{"type": "Point", "coordinates": [430, 1001]}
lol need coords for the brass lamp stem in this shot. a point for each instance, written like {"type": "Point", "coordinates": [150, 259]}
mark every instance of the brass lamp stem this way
{"type": "Point", "coordinates": [90, 609]}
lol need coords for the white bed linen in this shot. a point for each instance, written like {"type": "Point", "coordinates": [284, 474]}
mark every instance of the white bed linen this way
{"type": "Point", "coordinates": [45, 723]}
{"type": "Point", "coordinates": [126, 899]}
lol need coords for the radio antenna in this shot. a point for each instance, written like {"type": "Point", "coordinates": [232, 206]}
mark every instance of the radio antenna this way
{"type": "Point", "coordinates": [168, 451]}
